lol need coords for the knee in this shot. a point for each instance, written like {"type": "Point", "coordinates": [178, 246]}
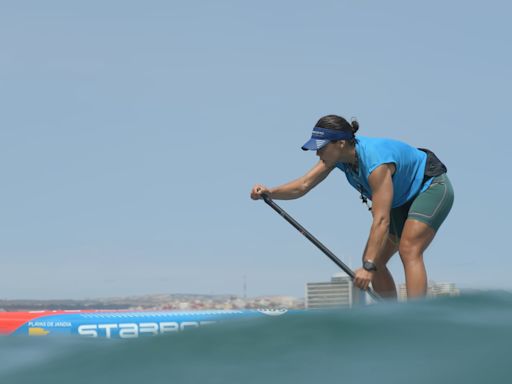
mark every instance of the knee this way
{"type": "Point", "coordinates": [409, 251]}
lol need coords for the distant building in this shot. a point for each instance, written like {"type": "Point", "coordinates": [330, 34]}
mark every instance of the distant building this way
{"type": "Point", "coordinates": [338, 293]}
{"type": "Point", "coordinates": [433, 290]}
{"type": "Point", "coordinates": [444, 289]}
{"type": "Point", "coordinates": [402, 292]}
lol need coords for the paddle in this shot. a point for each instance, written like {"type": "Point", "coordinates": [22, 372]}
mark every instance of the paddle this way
{"type": "Point", "coordinates": [316, 242]}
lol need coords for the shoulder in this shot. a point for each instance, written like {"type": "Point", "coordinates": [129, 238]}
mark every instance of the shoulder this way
{"type": "Point", "coordinates": [379, 146]}
{"type": "Point", "coordinates": [378, 141]}
{"type": "Point", "coordinates": [373, 148]}
{"type": "Point", "coordinates": [374, 152]}
{"type": "Point", "coordinates": [373, 144]}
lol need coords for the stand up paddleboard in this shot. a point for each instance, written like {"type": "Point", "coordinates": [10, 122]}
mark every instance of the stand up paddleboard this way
{"type": "Point", "coordinates": [118, 324]}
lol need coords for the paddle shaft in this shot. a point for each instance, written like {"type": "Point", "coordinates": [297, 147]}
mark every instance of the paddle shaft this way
{"type": "Point", "coordinates": [316, 242]}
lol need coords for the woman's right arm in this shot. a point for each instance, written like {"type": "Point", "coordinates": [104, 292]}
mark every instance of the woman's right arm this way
{"type": "Point", "coordinates": [296, 188]}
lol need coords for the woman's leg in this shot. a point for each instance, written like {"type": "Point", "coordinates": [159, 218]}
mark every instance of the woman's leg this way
{"type": "Point", "coordinates": [426, 214]}
{"type": "Point", "coordinates": [383, 282]}
{"type": "Point", "coordinates": [416, 237]}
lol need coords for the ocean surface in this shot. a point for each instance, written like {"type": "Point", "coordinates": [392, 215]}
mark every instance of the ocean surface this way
{"type": "Point", "coordinates": [465, 339]}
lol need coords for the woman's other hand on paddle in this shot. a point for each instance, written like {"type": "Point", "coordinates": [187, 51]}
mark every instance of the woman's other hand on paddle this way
{"type": "Point", "coordinates": [259, 190]}
{"type": "Point", "coordinates": [363, 278]}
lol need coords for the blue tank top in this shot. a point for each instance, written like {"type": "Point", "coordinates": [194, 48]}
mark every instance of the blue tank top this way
{"type": "Point", "coordinates": [409, 163]}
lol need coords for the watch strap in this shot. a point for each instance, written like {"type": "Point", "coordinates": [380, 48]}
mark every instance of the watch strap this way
{"type": "Point", "coordinates": [370, 266]}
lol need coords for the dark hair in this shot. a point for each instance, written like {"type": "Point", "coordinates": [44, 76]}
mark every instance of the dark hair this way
{"type": "Point", "coordinates": [340, 124]}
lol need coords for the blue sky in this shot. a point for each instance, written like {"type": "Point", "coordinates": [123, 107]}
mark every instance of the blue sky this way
{"type": "Point", "coordinates": [132, 132]}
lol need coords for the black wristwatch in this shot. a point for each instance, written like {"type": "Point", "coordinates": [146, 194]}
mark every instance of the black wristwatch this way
{"type": "Point", "coordinates": [369, 266]}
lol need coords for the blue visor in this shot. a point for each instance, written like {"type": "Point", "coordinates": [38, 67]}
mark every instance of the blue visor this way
{"type": "Point", "coordinates": [322, 136]}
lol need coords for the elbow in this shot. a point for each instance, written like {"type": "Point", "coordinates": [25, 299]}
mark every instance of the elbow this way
{"type": "Point", "coordinates": [304, 187]}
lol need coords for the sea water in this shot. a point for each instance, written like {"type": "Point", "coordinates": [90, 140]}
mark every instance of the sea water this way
{"type": "Point", "coordinates": [465, 339]}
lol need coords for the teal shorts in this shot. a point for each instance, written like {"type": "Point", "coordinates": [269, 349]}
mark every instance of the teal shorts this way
{"type": "Point", "coordinates": [430, 207]}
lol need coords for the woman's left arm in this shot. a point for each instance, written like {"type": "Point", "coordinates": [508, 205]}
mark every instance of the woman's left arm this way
{"type": "Point", "coordinates": [381, 183]}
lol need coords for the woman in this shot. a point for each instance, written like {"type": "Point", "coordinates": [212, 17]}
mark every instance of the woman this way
{"type": "Point", "coordinates": [410, 192]}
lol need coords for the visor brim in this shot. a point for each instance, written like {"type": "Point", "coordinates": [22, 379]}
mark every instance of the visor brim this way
{"type": "Point", "coordinates": [314, 144]}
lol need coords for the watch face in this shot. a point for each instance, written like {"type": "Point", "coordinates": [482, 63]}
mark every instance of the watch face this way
{"type": "Point", "coordinates": [369, 266]}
